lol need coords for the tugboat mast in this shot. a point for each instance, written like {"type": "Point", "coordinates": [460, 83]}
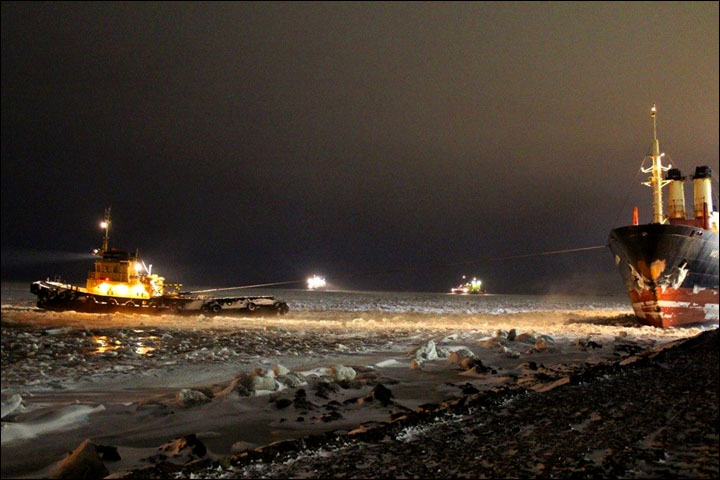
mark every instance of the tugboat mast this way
{"type": "Point", "coordinates": [105, 224]}
{"type": "Point", "coordinates": [655, 181]}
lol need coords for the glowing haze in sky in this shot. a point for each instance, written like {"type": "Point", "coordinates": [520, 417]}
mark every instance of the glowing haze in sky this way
{"type": "Point", "coordinates": [251, 143]}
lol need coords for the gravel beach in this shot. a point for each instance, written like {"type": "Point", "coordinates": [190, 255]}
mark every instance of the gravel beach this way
{"type": "Point", "coordinates": [657, 418]}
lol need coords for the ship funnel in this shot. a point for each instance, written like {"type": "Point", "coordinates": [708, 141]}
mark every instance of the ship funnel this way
{"type": "Point", "coordinates": [676, 198]}
{"type": "Point", "coordinates": [702, 191]}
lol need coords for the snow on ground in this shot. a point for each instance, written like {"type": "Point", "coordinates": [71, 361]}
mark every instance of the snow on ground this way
{"type": "Point", "coordinates": [62, 419]}
{"type": "Point", "coordinates": [115, 378]}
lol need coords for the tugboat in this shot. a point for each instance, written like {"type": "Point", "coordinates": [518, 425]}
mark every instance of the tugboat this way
{"type": "Point", "coordinates": [670, 266]}
{"type": "Point", "coordinates": [473, 287]}
{"type": "Point", "coordinates": [120, 282]}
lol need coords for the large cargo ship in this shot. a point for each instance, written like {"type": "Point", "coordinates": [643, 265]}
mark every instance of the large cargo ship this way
{"type": "Point", "coordinates": [121, 282]}
{"type": "Point", "coordinates": [670, 266]}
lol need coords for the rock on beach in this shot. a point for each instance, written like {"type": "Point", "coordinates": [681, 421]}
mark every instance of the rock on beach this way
{"type": "Point", "coordinates": [341, 373]}
{"type": "Point", "coordinates": [187, 397]}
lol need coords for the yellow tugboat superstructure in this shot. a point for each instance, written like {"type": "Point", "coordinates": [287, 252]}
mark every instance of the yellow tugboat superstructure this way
{"type": "Point", "coordinates": [121, 274]}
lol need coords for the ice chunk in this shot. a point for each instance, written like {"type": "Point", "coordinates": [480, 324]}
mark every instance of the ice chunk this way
{"type": "Point", "coordinates": [390, 362]}
{"type": "Point", "coordinates": [264, 383]}
{"type": "Point", "coordinates": [280, 370]}
{"type": "Point", "coordinates": [318, 372]}
{"type": "Point", "coordinates": [292, 380]}
{"type": "Point", "coordinates": [342, 373]}
{"type": "Point", "coordinates": [427, 351]}
{"type": "Point", "coordinates": [10, 405]}
{"type": "Point", "coordinates": [68, 417]}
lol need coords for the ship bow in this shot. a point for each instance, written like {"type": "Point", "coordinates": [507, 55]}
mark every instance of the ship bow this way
{"type": "Point", "coordinates": [670, 272]}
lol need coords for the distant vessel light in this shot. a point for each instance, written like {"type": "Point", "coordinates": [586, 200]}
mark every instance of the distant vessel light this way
{"type": "Point", "coordinates": [315, 282]}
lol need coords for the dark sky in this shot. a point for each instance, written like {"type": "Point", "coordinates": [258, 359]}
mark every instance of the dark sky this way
{"type": "Point", "coordinates": [247, 143]}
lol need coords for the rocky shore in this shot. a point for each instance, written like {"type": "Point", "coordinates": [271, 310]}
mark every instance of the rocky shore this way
{"type": "Point", "coordinates": [651, 415]}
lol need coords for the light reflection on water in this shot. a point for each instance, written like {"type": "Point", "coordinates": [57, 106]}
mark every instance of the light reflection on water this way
{"type": "Point", "coordinates": [105, 344]}
{"type": "Point", "coordinates": [142, 350]}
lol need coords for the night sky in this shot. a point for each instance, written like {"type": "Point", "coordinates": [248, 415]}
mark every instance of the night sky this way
{"type": "Point", "coordinates": [252, 143]}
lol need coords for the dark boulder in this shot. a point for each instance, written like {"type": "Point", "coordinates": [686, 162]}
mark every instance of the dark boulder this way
{"type": "Point", "coordinates": [108, 453]}
{"type": "Point", "coordinates": [189, 444]}
{"type": "Point", "coordinates": [83, 462]}
{"type": "Point", "coordinates": [382, 394]}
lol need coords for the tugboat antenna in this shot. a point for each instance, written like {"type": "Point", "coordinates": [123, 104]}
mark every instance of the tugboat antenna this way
{"type": "Point", "coordinates": [106, 225]}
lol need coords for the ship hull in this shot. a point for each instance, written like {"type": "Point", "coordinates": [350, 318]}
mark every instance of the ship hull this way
{"type": "Point", "coordinates": [59, 297]}
{"type": "Point", "coordinates": [670, 272]}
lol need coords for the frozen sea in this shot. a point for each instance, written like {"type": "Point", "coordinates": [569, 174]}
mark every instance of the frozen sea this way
{"type": "Point", "coordinates": [17, 295]}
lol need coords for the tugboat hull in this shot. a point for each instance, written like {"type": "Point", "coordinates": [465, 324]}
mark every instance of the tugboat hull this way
{"type": "Point", "coordinates": [670, 272]}
{"type": "Point", "coordinates": [57, 296]}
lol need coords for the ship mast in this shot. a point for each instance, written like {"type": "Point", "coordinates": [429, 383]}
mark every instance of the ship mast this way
{"type": "Point", "coordinates": [105, 224]}
{"type": "Point", "coordinates": [655, 181]}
